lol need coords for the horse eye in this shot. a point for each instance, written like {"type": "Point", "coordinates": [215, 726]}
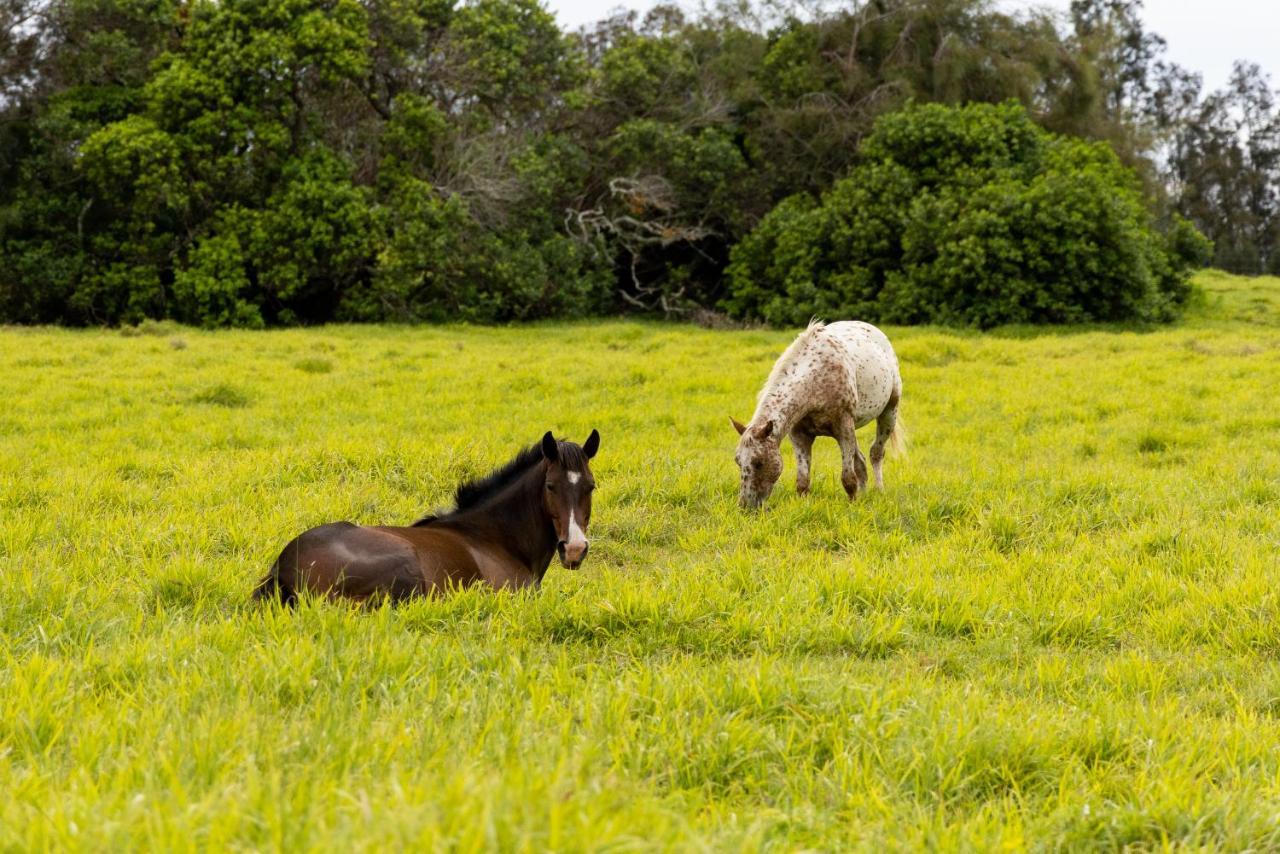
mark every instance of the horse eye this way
{"type": "Point", "coordinates": [756, 465]}
{"type": "Point", "coordinates": [551, 487]}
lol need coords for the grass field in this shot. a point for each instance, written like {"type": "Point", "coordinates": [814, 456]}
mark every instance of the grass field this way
{"type": "Point", "coordinates": [1059, 626]}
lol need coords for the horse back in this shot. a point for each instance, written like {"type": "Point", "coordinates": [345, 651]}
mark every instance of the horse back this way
{"type": "Point", "coordinates": [864, 340]}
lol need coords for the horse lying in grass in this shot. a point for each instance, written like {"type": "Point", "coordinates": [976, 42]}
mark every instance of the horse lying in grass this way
{"type": "Point", "coordinates": [503, 532]}
{"type": "Point", "coordinates": [833, 379]}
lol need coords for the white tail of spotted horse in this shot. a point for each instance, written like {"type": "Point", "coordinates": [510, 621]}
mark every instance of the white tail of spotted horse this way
{"type": "Point", "coordinates": [833, 379]}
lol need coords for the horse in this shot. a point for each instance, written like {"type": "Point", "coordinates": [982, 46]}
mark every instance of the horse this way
{"type": "Point", "coordinates": [833, 379]}
{"type": "Point", "coordinates": [503, 531]}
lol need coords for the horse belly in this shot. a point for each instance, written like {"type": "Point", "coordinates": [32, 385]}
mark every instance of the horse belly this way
{"type": "Point", "coordinates": [819, 423]}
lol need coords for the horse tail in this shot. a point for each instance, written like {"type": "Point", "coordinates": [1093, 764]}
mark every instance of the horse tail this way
{"type": "Point", "coordinates": [898, 437]}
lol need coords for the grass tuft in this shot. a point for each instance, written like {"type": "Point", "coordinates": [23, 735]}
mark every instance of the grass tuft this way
{"type": "Point", "coordinates": [314, 366]}
{"type": "Point", "coordinates": [223, 395]}
{"type": "Point", "coordinates": [1151, 443]}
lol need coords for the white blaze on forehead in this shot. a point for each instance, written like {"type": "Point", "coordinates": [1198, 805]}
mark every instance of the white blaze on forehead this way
{"type": "Point", "coordinates": [575, 476]}
{"type": "Point", "coordinates": [575, 537]}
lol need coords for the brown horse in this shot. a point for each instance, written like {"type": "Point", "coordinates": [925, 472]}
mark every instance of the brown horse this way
{"type": "Point", "coordinates": [503, 532]}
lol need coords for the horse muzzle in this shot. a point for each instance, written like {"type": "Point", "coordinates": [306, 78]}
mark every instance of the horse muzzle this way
{"type": "Point", "coordinates": [572, 554]}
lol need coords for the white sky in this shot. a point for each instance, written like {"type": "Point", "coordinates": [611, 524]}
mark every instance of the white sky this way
{"type": "Point", "coordinates": [1203, 35]}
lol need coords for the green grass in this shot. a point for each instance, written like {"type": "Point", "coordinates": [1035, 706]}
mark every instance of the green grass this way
{"type": "Point", "coordinates": [1059, 627]}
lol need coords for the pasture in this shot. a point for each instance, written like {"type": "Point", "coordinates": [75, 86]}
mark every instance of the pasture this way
{"type": "Point", "coordinates": [1058, 626]}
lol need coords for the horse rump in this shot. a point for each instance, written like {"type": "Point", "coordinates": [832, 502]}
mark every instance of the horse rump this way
{"type": "Point", "coordinates": [274, 585]}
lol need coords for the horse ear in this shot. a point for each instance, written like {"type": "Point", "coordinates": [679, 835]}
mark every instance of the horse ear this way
{"type": "Point", "coordinates": [550, 449]}
{"type": "Point", "coordinates": [765, 430]}
{"type": "Point", "coordinates": [738, 425]}
{"type": "Point", "coordinates": [592, 444]}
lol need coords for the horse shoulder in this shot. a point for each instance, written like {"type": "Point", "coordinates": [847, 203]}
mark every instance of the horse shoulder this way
{"type": "Point", "coordinates": [500, 568]}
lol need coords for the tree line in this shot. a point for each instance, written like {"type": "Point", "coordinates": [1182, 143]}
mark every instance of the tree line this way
{"type": "Point", "coordinates": [251, 162]}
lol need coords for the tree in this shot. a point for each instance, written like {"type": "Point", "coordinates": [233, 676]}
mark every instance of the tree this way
{"type": "Point", "coordinates": [1226, 164]}
{"type": "Point", "coordinates": [971, 216]}
{"type": "Point", "coordinates": [293, 161]}
{"type": "Point", "coordinates": [74, 67]}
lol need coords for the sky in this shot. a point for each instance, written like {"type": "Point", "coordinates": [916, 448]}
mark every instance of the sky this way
{"type": "Point", "coordinates": [1205, 36]}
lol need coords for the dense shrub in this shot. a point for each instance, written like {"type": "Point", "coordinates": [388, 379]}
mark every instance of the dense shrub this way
{"type": "Point", "coordinates": [972, 215]}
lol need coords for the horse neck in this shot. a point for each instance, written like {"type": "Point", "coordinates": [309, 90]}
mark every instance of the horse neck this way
{"type": "Point", "coordinates": [786, 401]}
{"type": "Point", "coordinates": [517, 520]}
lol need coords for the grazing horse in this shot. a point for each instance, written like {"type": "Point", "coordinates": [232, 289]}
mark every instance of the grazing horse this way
{"type": "Point", "coordinates": [503, 532]}
{"type": "Point", "coordinates": [833, 379]}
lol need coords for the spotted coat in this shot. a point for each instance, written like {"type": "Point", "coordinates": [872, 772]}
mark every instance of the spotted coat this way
{"type": "Point", "coordinates": [833, 379]}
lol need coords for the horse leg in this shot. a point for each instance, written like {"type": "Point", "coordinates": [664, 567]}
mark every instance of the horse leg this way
{"type": "Point", "coordinates": [853, 467]}
{"type": "Point", "coordinates": [885, 423]}
{"type": "Point", "coordinates": [803, 443]}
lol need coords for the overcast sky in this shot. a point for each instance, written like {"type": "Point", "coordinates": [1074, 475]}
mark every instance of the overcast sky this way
{"type": "Point", "coordinates": [1203, 35]}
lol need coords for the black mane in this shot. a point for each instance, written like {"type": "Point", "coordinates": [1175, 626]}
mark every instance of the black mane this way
{"type": "Point", "coordinates": [472, 493]}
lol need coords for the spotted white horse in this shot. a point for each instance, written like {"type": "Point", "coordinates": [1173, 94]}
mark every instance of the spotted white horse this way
{"type": "Point", "coordinates": [833, 379]}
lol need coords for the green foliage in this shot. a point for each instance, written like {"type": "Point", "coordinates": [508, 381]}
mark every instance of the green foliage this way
{"type": "Point", "coordinates": [641, 74]}
{"type": "Point", "coordinates": [284, 163]}
{"type": "Point", "coordinates": [213, 288]}
{"type": "Point", "coordinates": [313, 232]}
{"type": "Point", "coordinates": [438, 263]}
{"type": "Point", "coordinates": [511, 53]}
{"type": "Point", "coordinates": [970, 216]}
{"type": "Point", "coordinates": [150, 146]}
{"type": "Point", "coordinates": [134, 159]}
